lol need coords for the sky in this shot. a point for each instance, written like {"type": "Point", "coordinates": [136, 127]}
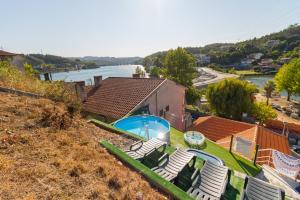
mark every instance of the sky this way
{"type": "Point", "coordinates": [123, 28]}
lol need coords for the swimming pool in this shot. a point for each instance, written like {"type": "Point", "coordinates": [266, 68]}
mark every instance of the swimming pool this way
{"type": "Point", "coordinates": [206, 156]}
{"type": "Point", "coordinates": [146, 126]}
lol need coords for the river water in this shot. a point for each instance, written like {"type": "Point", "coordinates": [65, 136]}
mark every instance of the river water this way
{"type": "Point", "coordinates": [260, 81]}
{"type": "Point", "coordinates": [88, 74]}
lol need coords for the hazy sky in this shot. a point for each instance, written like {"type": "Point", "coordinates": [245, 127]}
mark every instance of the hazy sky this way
{"type": "Point", "coordinates": [136, 27]}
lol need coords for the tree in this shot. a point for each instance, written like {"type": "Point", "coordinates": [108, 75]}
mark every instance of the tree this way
{"type": "Point", "coordinates": [140, 71]}
{"type": "Point", "coordinates": [288, 78]}
{"type": "Point", "coordinates": [193, 94]}
{"type": "Point", "coordinates": [231, 98]}
{"type": "Point", "coordinates": [269, 88]}
{"type": "Point", "coordinates": [263, 112]}
{"type": "Point", "coordinates": [180, 66]}
{"type": "Point", "coordinates": [155, 72]}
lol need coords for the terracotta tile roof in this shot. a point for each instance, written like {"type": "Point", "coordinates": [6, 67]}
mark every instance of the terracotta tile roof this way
{"type": "Point", "coordinates": [5, 53]}
{"type": "Point", "coordinates": [216, 128]}
{"type": "Point", "coordinates": [220, 130]}
{"type": "Point", "coordinates": [249, 134]}
{"type": "Point", "coordinates": [269, 139]}
{"type": "Point", "coordinates": [117, 96]}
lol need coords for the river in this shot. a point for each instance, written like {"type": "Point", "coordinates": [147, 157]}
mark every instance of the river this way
{"type": "Point", "coordinates": [88, 74]}
{"type": "Point", "coordinates": [260, 80]}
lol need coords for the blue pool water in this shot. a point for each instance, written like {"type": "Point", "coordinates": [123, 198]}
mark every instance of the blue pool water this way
{"type": "Point", "coordinates": [146, 125]}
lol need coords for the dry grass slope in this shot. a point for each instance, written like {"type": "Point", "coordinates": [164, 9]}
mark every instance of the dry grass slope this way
{"type": "Point", "coordinates": [45, 153]}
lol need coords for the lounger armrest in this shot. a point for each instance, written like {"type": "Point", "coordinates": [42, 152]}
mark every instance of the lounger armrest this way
{"type": "Point", "coordinates": [282, 194]}
{"type": "Point", "coordinates": [243, 195]}
{"type": "Point", "coordinates": [163, 159]}
{"type": "Point", "coordinates": [195, 174]}
{"type": "Point", "coordinates": [135, 144]}
{"type": "Point", "coordinates": [146, 154]}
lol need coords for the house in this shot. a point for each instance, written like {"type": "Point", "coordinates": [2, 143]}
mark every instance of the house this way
{"type": "Point", "coordinates": [284, 60]}
{"type": "Point", "coordinates": [220, 131]}
{"type": "Point", "coordinates": [272, 43]}
{"type": "Point", "coordinates": [246, 63]}
{"type": "Point", "coordinates": [266, 61]}
{"type": "Point", "coordinates": [255, 56]}
{"type": "Point", "coordinates": [116, 97]}
{"type": "Point", "coordinates": [202, 59]}
{"type": "Point", "coordinates": [4, 55]}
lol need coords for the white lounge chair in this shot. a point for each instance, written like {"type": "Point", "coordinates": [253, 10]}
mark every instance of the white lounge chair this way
{"type": "Point", "coordinates": [141, 149]}
{"type": "Point", "coordinates": [260, 190]}
{"type": "Point", "coordinates": [210, 183]}
{"type": "Point", "coordinates": [171, 165]}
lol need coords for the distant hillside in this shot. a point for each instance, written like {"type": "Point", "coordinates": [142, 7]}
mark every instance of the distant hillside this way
{"type": "Point", "coordinates": [57, 63]}
{"type": "Point", "coordinates": [104, 61]}
{"type": "Point", "coordinates": [274, 46]}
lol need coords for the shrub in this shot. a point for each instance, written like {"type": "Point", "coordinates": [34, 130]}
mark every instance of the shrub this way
{"type": "Point", "coordinates": [11, 77]}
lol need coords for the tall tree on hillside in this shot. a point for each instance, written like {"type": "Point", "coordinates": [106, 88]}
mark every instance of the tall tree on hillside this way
{"type": "Point", "coordinates": [231, 98]}
{"type": "Point", "coordinates": [269, 87]}
{"type": "Point", "coordinates": [288, 78]}
{"type": "Point", "coordinates": [180, 66]}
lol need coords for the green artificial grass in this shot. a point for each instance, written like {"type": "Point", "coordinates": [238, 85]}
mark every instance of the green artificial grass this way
{"type": "Point", "coordinates": [146, 172]}
{"type": "Point", "coordinates": [231, 160]}
{"type": "Point", "coordinates": [234, 188]}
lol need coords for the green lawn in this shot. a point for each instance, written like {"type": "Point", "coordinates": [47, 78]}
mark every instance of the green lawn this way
{"type": "Point", "coordinates": [246, 72]}
{"type": "Point", "coordinates": [231, 160]}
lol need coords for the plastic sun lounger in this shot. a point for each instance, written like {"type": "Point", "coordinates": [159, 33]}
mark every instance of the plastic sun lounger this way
{"type": "Point", "coordinates": [261, 190]}
{"type": "Point", "coordinates": [141, 149]}
{"type": "Point", "coordinates": [211, 183]}
{"type": "Point", "coordinates": [172, 165]}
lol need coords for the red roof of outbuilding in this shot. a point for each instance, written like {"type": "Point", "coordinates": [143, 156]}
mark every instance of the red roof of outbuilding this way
{"type": "Point", "coordinates": [216, 128]}
{"type": "Point", "coordinates": [220, 130]}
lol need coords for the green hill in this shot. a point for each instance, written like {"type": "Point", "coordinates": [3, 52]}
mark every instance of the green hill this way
{"type": "Point", "coordinates": [274, 45]}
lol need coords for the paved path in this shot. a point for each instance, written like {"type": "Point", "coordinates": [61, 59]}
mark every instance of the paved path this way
{"type": "Point", "coordinates": [209, 76]}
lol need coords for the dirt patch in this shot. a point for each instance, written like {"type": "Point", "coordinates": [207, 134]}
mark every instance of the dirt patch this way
{"type": "Point", "coordinates": [47, 154]}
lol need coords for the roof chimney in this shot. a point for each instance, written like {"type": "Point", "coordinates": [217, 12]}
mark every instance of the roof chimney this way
{"type": "Point", "coordinates": [79, 87]}
{"type": "Point", "coordinates": [136, 76]}
{"type": "Point", "coordinates": [97, 80]}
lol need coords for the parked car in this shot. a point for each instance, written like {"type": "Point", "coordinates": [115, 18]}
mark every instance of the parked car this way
{"type": "Point", "coordinates": [276, 106]}
{"type": "Point", "coordinates": [295, 115]}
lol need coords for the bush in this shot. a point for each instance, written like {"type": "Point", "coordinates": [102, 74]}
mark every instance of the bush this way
{"type": "Point", "coordinates": [193, 94]}
{"type": "Point", "coordinates": [263, 112]}
{"type": "Point", "coordinates": [11, 77]}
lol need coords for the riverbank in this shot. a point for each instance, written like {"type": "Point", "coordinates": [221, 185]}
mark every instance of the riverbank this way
{"type": "Point", "coordinates": [210, 76]}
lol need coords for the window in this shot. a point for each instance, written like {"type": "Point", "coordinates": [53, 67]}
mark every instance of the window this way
{"type": "Point", "coordinates": [167, 108]}
{"type": "Point", "coordinates": [161, 112]}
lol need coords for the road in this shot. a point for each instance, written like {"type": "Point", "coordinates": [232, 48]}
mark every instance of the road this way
{"type": "Point", "coordinates": [209, 76]}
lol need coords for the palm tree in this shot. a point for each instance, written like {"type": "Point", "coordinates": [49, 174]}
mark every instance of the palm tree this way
{"type": "Point", "coordinates": [269, 88]}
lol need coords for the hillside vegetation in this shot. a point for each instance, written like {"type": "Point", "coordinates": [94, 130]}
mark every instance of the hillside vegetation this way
{"type": "Point", "coordinates": [11, 77]}
{"type": "Point", "coordinates": [229, 53]}
{"type": "Point", "coordinates": [45, 153]}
